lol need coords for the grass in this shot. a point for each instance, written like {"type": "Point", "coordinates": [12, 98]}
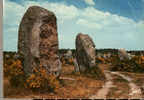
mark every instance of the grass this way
{"type": "Point", "coordinates": [138, 79]}
{"type": "Point", "coordinates": [120, 89]}
{"type": "Point", "coordinates": [81, 87]}
{"type": "Point", "coordinates": [119, 79]}
{"type": "Point", "coordinates": [12, 92]}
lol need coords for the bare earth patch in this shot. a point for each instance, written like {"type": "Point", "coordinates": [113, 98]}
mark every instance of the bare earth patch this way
{"type": "Point", "coordinates": [120, 89]}
{"type": "Point", "coordinates": [134, 91]}
{"type": "Point", "coordinates": [74, 86]}
{"type": "Point", "coordinates": [102, 93]}
{"type": "Point", "coordinates": [138, 79]}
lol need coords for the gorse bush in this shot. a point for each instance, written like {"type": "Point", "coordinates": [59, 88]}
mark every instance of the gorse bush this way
{"type": "Point", "coordinates": [7, 65]}
{"type": "Point", "coordinates": [40, 79]}
{"type": "Point", "coordinates": [139, 60]}
{"type": "Point", "coordinates": [69, 61]}
{"type": "Point", "coordinates": [16, 68]}
{"type": "Point", "coordinates": [96, 73]}
{"type": "Point", "coordinates": [100, 60]}
{"type": "Point", "coordinates": [136, 64]}
{"type": "Point", "coordinates": [16, 73]}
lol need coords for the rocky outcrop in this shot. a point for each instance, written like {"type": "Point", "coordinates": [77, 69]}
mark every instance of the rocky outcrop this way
{"type": "Point", "coordinates": [38, 40]}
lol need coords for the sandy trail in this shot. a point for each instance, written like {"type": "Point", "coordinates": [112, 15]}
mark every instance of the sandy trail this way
{"type": "Point", "coordinates": [102, 93]}
{"type": "Point", "coordinates": [135, 91]}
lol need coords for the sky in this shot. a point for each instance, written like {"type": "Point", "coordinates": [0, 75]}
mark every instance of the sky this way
{"type": "Point", "coordinates": [110, 23]}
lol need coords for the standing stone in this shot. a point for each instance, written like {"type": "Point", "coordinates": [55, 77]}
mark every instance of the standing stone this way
{"type": "Point", "coordinates": [85, 55]}
{"type": "Point", "coordinates": [108, 55]}
{"type": "Point", "coordinates": [68, 54]}
{"type": "Point", "coordinates": [38, 40]}
{"type": "Point", "coordinates": [76, 67]}
{"type": "Point", "coordinates": [122, 54]}
{"type": "Point", "coordinates": [85, 52]}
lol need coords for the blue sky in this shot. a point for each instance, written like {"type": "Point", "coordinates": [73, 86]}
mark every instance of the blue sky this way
{"type": "Point", "coordinates": [110, 23]}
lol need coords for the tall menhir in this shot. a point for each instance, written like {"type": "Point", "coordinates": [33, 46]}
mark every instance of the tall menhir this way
{"type": "Point", "coordinates": [38, 40]}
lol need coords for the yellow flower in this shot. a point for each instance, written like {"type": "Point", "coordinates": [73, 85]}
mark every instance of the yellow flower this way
{"type": "Point", "coordinates": [32, 76]}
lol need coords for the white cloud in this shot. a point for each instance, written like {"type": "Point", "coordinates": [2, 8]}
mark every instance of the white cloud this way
{"type": "Point", "coordinates": [12, 13]}
{"type": "Point", "coordinates": [90, 2]}
{"type": "Point", "coordinates": [91, 15]}
{"type": "Point", "coordinates": [107, 30]}
{"type": "Point", "coordinates": [87, 24]}
{"type": "Point", "coordinates": [61, 10]}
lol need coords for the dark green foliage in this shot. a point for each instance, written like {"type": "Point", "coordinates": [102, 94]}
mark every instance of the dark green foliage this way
{"type": "Point", "coordinates": [95, 72]}
{"type": "Point", "coordinates": [126, 65]}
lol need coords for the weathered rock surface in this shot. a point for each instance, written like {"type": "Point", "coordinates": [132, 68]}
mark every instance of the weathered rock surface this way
{"type": "Point", "coordinates": [85, 51]}
{"type": "Point", "coordinates": [38, 40]}
{"type": "Point", "coordinates": [76, 67]}
{"type": "Point", "coordinates": [86, 54]}
{"type": "Point", "coordinates": [122, 54]}
{"type": "Point", "coordinates": [68, 54]}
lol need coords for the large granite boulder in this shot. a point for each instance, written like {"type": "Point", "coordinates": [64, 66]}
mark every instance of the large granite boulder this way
{"type": "Point", "coordinates": [86, 55]}
{"type": "Point", "coordinates": [38, 40]}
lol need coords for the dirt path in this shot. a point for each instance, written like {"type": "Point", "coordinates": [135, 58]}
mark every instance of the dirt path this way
{"type": "Point", "coordinates": [135, 91]}
{"type": "Point", "coordinates": [102, 93]}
